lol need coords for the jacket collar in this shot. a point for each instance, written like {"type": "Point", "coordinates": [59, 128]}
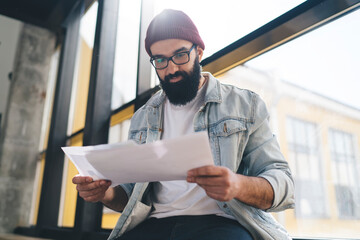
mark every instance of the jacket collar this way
{"type": "Point", "coordinates": [213, 93]}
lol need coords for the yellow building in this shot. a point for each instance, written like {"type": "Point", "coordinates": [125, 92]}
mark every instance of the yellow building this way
{"type": "Point", "coordinates": [319, 137]}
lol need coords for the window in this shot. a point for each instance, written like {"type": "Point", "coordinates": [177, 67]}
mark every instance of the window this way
{"type": "Point", "coordinates": [303, 151]}
{"type": "Point", "coordinates": [81, 81]}
{"type": "Point", "coordinates": [118, 132]}
{"type": "Point", "coordinates": [126, 53]}
{"type": "Point", "coordinates": [345, 173]}
{"type": "Point", "coordinates": [77, 112]}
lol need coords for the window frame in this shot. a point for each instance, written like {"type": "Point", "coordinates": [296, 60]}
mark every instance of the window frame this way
{"type": "Point", "coordinates": [297, 148]}
{"type": "Point", "coordinates": [349, 159]}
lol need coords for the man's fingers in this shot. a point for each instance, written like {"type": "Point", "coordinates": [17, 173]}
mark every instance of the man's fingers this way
{"type": "Point", "coordinates": [80, 180]}
{"type": "Point", "coordinates": [94, 192]}
{"type": "Point", "coordinates": [93, 185]}
{"type": "Point", "coordinates": [214, 189]}
{"type": "Point", "coordinates": [209, 181]}
{"type": "Point", "coordinates": [206, 171]}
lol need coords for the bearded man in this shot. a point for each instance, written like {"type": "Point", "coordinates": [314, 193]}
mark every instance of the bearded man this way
{"type": "Point", "coordinates": [229, 200]}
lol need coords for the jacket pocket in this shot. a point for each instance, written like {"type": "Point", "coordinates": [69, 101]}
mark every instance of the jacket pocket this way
{"type": "Point", "coordinates": [139, 136]}
{"type": "Point", "coordinates": [227, 138]}
{"type": "Point", "coordinates": [227, 127]}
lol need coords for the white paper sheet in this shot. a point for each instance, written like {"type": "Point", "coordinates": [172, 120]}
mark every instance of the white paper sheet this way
{"type": "Point", "coordinates": [129, 162]}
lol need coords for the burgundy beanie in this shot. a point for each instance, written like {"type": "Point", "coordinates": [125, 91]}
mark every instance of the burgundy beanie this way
{"type": "Point", "coordinates": [172, 24]}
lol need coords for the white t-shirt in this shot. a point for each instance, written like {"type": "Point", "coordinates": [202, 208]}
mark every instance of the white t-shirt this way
{"type": "Point", "coordinates": [173, 198]}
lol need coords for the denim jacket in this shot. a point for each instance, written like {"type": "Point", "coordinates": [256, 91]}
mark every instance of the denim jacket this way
{"type": "Point", "coordinates": [240, 138]}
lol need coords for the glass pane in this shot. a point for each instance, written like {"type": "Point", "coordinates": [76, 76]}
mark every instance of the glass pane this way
{"type": "Point", "coordinates": [303, 166]}
{"type": "Point", "coordinates": [341, 144]}
{"type": "Point", "coordinates": [347, 143]}
{"type": "Point", "coordinates": [310, 199]}
{"type": "Point", "coordinates": [81, 81]}
{"type": "Point", "coordinates": [300, 134]}
{"type": "Point", "coordinates": [215, 19]}
{"type": "Point", "coordinates": [343, 173]}
{"type": "Point", "coordinates": [352, 178]}
{"type": "Point", "coordinates": [315, 171]}
{"type": "Point", "coordinates": [311, 137]}
{"type": "Point", "coordinates": [315, 78]}
{"type": "Point", "coordinates": [118, 133]}
{"type": "Point", "coordinates": [126, 55]}
{"type": "Point", "coordinates": [289, 133]}
{"type": "Point", "coordinates": [77, 112]}
{"type": "Point", "coordinates": [344, 162]}
{"type": "Point", "coordinates": [334, 173]}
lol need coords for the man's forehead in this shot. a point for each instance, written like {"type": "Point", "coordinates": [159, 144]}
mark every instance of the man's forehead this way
{"type": "Point", "coordinates": [169, 46]}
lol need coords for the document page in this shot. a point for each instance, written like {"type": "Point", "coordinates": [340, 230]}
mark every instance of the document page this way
{"type": "Point", "coordinates": [129, 162]}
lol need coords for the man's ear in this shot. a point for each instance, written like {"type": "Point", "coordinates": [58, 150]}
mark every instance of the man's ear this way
{"type": "Point", "coordinates": [200, 52]}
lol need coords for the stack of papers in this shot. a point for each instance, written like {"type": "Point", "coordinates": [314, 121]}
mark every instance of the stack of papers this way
{"type": "Point", "coordinates": [129, 162]}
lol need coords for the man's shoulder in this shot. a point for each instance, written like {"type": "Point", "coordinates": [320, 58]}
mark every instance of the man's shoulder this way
{"type": "Point", "coordinates": [243, 103]}
{"type": "Point", "coordinates": [154, 101]}
{"type": "Point", "coordinates": [229, 92]}
{"type": "Point", "coordinates": [225, 92]}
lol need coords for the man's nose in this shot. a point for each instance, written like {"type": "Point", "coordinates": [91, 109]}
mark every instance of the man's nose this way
{"type": "Point", "coordinates": [172, 67]}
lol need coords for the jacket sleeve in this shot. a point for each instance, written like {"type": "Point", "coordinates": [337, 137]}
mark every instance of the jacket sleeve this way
{"type": "Point", "coordinates": [263, 158]}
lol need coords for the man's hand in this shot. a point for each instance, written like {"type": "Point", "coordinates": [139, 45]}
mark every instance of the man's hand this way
{"type": "Point", "coordinates": [91, 191]}
{"type": "Point", "coordinates": [221, 184]}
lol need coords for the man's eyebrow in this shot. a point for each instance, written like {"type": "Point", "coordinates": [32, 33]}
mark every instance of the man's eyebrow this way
{"type": "Point", "coordinates": [182, 49]}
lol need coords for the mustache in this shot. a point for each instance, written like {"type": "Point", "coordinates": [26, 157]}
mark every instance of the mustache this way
{"type": "Point", "coordinates": [176, 74]}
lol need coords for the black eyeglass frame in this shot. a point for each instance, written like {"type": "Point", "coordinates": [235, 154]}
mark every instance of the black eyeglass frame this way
{"type": "Point", "coordinates": [171, 58]}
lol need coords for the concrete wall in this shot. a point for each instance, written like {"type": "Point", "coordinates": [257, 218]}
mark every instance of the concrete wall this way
{"type": "Point", "coordinates": [9, 35]}
{"type": "Point", "coordinates": [19, 142]}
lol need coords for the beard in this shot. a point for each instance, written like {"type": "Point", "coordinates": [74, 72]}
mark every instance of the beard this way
{"type": "Point", "coordinates": [185, 90]}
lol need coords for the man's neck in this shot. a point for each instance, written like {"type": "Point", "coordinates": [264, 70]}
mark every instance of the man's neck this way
{"type": "Point", "coordinates": [202, 81]}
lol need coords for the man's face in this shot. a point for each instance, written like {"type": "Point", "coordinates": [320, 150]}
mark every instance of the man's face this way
{"type": "Point", "coordinates": [180, 82]}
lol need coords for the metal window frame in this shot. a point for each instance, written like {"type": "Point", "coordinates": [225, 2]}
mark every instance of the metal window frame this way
{"type": "Point", "coordinates": [54, 160]}
{"type": "Point", "coordinates": [144, 67]}
{"type": "Point", "coordinates": [96, 131]}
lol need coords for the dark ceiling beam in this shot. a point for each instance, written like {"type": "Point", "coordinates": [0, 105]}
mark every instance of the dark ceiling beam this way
{"type": "Point", "coordinates": [21, 15]}
{"type": "Point", "coordinates": [300, 20]}
{"type": "Point", "coordinates": [59, 13]}
{"type": "Point", "coordinates": [49, 14]}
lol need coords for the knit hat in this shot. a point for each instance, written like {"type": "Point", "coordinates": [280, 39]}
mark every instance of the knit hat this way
{"type": "Point", "coordinates": [171, 24]}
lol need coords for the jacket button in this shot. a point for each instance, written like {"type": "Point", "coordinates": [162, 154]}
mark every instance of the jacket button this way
{"type": "Point", "coordinates": [225, 205]}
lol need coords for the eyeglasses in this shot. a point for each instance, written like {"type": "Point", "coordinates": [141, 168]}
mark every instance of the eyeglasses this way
{"type": "Point", "coordinates": [179, 58]}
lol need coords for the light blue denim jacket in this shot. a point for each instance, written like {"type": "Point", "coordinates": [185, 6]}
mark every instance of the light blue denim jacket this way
{"type": "Point", "coordinates": [240, 138]}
